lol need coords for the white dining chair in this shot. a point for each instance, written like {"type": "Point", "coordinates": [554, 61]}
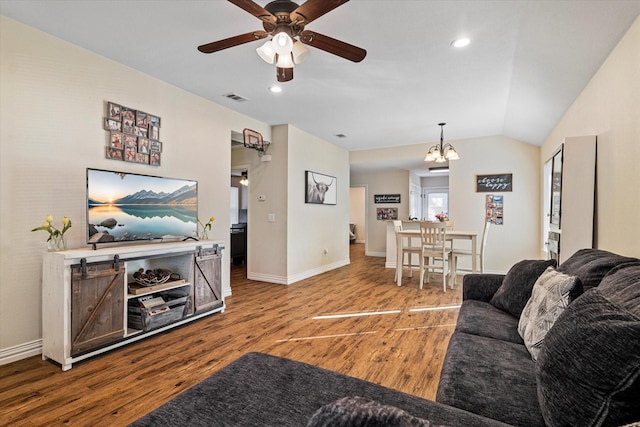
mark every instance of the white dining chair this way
{"type": "Point", "coordinates": [408, 249]}
{"type": "Point", "coordinates": [456, 253]}
{"type": "Point", "coordinates": [435, 251]}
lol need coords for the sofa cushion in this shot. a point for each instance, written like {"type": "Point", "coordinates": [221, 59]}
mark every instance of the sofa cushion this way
{"type": "Point", "coordinates": [551, 294]}
{"type": "Point", "coordinates": [516, 287]}
{"type": "Point", "coordinates": [591, 265]}
{"type": "Point", "coordinates": [355, 411]}
{"type": "Point", "coordinates": [492, 378]}
{"type": "Point", "coordinates": [480, 286]}
{"type": "Point", "coordinates": [588, 370]}
{"type": "Point", "coordinates": [483, 319]}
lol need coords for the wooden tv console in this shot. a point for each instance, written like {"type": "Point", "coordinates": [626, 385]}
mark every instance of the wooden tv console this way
{"type": "Point", "coordinates": [91, 303]}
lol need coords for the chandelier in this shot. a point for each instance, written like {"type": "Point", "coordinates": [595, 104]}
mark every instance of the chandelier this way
{"type": "Point", "coordinates": [441, 153]}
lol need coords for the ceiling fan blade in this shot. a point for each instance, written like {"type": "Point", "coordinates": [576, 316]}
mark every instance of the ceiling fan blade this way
{"type": "Point", "coordinates": [232, 41]}
{"type": "Point", "coordinates": [313, 9]}
{"type": "Point", "coordinates": [331, 45]}
{"type": "Point", "coordinates": [255, 9]}
{"type": "Point", "coordinates": [284, 74]}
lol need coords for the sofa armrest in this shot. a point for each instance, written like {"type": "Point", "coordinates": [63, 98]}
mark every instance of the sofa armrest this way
{"type": "Point", "coordinates": [480, 287]}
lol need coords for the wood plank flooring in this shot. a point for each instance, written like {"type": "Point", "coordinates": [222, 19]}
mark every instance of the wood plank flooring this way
{"type": "Point", "coordinates": [353, 320]}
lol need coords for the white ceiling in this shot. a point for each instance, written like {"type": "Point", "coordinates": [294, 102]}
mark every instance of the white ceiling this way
{"type": "Point", "coordinates": [527, 61]}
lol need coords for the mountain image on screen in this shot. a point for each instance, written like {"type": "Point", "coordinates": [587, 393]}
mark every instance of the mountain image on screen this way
{"type": "Point", "coordinates": [124, 207]}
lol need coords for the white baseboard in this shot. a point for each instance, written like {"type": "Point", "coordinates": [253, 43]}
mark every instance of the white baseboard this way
{"type": "Point", "coordinates": [282, 280]}
{"type": "Point", "coordinates": [378, 254]}
{"type": "Point", "coordinates": [19, 352]}
{"type": "Point", "coordinates": [269, 278]}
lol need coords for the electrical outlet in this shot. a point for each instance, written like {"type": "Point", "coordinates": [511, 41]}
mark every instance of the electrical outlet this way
{"type": "Point", "coordinates": [262, 198]}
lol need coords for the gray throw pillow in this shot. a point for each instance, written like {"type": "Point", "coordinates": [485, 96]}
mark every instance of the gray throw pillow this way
{"type": "Point", "coordinates": [588, 369]}
{"type": "Point", "coordinates": [516, 287]}
{"type": "Point", "coordinates": [360, 412]}
{"type": "Point", "coordinates": [551, 294]}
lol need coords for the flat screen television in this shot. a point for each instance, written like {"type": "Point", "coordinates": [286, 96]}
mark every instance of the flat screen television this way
{"type": "Point", "coordinates": [124, 206]}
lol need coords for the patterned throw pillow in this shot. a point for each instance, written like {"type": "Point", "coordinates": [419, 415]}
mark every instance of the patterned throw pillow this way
{"type": "Point", "coordinates": [551, 294]}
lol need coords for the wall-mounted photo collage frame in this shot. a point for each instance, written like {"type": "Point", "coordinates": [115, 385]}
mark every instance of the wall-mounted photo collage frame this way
{"type": "Point", "coordinates": [133, 135]}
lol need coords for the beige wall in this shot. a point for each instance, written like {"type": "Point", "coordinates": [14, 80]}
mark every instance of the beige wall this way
{"type": "Point", "coordinates": [519, 237]}
{"type": "Point", "coordinates": [292, 247]}
{"type": "Point", "coordinates": [507, 244]}
{"type": "Point", "coordinates": [357, 211]}
{"type": "Point", "coordinates": [318, 235]}
{"type": "Point", "coordinates": [609, 107]}
{"type": "Point", "coordinates": [267, 241]}
{"type": "Point", "coordinates": [52, 97]}
{"type": "Point", "coordinates": [387, 182]}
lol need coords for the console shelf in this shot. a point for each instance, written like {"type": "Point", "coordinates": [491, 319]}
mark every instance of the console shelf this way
{"type": "Point", "coordinates": [91, 304]}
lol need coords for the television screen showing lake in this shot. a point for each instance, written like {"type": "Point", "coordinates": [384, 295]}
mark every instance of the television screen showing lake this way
{"type": "Point", "coordinates": [124, 206]}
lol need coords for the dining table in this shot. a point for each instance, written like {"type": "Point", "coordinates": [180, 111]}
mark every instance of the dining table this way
{"type": "Point", "coordinates": [450, 235]}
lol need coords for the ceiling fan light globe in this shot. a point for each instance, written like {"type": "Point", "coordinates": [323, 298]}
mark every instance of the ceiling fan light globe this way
{"type": "Point", "coordinates": [266, 52]}
{"type": "Point", "coordinates": [284, 61]}
{"type": "Point", "coordinates": [282, 43]}
{"type": "Point", "coordinates": [300, 52]}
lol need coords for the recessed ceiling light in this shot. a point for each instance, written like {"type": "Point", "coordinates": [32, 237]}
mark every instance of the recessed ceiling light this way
{"type": "Point", "coordinates": [461, 42]}
{"type": "Point", "coordinates": [275, 89]}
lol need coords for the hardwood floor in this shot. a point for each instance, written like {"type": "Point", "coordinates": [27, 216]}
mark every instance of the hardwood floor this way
{"type": "Point", "coordinates": [353, 320]}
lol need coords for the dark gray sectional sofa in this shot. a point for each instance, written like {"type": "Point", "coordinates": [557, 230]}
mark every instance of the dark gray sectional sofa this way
{"type": "Point", "coordinates": [587, 371]}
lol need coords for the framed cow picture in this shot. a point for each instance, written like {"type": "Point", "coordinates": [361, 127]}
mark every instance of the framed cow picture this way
{"type": "Point", "coordinates": [320, 189]}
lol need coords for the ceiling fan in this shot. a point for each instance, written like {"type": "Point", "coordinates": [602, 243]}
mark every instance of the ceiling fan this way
{"type": "Point", "coordinates": [285, 21]}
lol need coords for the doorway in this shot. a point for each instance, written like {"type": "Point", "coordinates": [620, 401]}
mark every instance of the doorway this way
{"type": "Point", "coordinates": [239, 214]}
{"type": "Point", "coordinates": [358, 213]}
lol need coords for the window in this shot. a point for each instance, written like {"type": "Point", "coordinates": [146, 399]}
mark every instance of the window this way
{"type": "Point", "coordinates": [436, 200]}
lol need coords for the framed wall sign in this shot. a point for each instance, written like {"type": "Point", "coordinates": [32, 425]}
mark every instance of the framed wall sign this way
{"type": "Point", "coordinates": [494, 183]}
{"type": "Point", "coordinates": [386, 198]}
{"type": "Point", "coordinates": [321, 189]}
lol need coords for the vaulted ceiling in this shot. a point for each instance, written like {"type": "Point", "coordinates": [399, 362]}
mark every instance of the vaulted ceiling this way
{"type": "Point", "coordinates": [526, 64]}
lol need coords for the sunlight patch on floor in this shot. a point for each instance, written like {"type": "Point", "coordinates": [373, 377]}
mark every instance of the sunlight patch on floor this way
{"type": "Point", "coordinates": [415, 328]}
{"type": "Point", "coordinates": [361, 313]}
{"type": "Point", "coordinates": [443, 307]}
{"type": "Point", "coordinates": [327, 336]}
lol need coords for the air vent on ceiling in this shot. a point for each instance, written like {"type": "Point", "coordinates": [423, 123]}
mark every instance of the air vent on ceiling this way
{"type": "Point", "coordinates": [341, 135]}
{"type": "Point", "coordinates": [235, 97]}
